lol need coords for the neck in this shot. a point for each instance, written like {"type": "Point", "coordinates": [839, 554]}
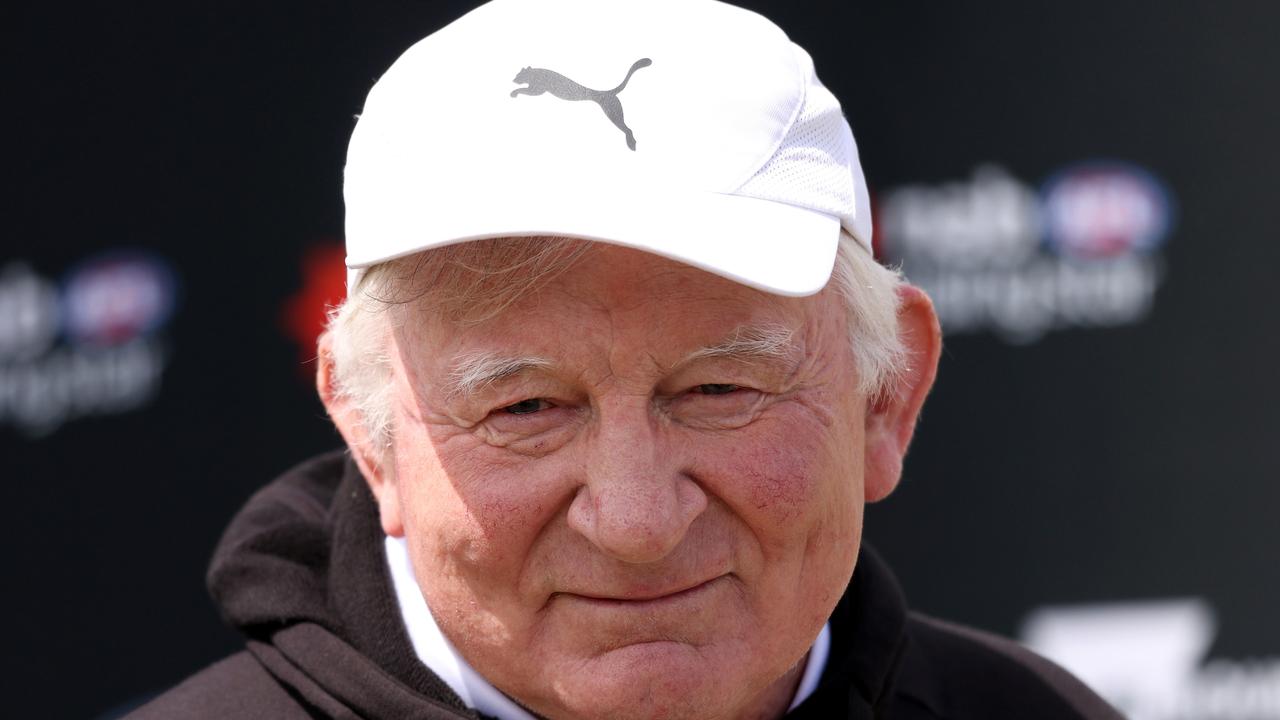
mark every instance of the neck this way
{"type": "Point", "coordinates": [774, 702]}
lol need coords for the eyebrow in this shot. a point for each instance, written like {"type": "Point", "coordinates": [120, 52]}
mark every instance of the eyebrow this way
{"type": "Point", "coordinates": [475, 372]}
{"type": "Point", "coordinates": [748, 344]}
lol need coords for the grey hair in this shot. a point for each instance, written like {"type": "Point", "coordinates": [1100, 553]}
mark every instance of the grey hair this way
{"type": "Point", "coordinates": [506, 270]}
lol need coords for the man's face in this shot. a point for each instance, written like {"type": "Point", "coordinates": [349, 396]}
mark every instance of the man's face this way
{"type": "Point", "coordinates": [623, 496]}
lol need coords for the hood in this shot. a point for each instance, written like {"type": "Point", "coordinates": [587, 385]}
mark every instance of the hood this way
{"type": "Point", "coordinates": [293, 574]}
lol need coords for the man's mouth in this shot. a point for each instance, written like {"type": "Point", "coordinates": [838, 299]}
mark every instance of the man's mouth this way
{"type": "Point", "coordinates": [646, 596]}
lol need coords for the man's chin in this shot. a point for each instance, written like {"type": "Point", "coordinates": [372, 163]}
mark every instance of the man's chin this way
{"type": "Point", "coordinates": [657, 679]}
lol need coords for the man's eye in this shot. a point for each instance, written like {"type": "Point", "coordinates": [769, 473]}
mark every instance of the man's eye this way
{"type": "Point", "coordinates": [715, 389]}
{"type": "Point", "coordinates": [527, 407]}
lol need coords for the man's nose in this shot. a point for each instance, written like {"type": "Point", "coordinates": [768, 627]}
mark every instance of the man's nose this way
{"type": "Point", "coordinates": [635, 503]}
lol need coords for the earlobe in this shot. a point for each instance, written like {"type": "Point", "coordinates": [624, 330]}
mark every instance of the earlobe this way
{"type": "Point", "coordinates": [347, 418]}
{"type": "Point", "coordinates": [891, 419]}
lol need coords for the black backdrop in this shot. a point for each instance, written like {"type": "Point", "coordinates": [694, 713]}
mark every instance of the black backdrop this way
{"type": "Point", "coordinates": [1095, 462]}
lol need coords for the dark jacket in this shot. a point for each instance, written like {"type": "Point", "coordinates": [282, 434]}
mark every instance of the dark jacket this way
{"type": "Point", "coordinates": [301, 573]}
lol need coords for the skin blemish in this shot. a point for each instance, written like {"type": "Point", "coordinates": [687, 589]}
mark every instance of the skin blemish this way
{"type": "Point", "coordinates": [779, 482]}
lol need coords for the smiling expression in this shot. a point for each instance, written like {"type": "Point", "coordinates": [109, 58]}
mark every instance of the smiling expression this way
{"type": "Point", "coordinates": [635, 492]}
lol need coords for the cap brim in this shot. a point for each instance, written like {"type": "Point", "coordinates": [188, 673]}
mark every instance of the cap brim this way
{"type": "Point", "coordinates": [770, 246]}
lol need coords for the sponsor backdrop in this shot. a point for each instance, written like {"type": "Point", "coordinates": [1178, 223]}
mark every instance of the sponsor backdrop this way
{"type": "Point", "coordinates": [1085, 188]}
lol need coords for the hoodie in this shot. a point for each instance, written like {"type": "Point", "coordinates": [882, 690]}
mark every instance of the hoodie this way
{"type": "Point", "coordinates": [301, 574]}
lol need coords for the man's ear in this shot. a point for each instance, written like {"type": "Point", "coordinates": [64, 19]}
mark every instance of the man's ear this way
{"type": "Point", "coordinates": [350, 423]}
{"type": "Point", "coordinates": [891, 418]}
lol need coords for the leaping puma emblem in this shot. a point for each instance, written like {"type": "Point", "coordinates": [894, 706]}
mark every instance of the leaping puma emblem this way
{"type": "Point", "coordinates": [541, 80]}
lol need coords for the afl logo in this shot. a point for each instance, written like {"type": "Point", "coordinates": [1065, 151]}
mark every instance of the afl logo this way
{"type": "Point", "coordinates": [115, 298]}
{"type": "Point", "coordinates": [1105, 209]}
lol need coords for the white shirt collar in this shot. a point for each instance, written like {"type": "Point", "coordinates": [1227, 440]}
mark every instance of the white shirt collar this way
{"type": "Point", "coordinates": [437, 653]}
{"type": "Point", "coordinates": [434, 649]}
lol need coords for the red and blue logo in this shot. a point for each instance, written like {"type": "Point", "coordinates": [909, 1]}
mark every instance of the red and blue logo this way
{"type": "Point", "coordinates": [1105, 209]}
{"type": "Point", "coordinates": [117, 297]}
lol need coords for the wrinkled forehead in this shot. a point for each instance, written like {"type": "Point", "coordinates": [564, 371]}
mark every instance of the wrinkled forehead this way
{"type": "Point", "coordinates": [472, 282]}
{"type": "Point", "coordinates": [487, 296]}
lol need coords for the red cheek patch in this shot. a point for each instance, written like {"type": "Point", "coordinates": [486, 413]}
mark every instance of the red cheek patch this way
{"type": "Point", "coordinates": [779, 481]}
{"type": "Point", "coordinates": [497, 514]}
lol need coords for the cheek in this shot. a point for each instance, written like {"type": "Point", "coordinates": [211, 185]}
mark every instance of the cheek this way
{"type": "Point", "coordinates": [787, 478]}
{"type": "Point", "coordinates": [476, 517]}
{"type": "Point", "coordinates": [780, 483]}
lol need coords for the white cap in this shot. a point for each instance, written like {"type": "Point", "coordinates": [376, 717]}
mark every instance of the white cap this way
{"type": "Point", "coordinates": [688, 128]}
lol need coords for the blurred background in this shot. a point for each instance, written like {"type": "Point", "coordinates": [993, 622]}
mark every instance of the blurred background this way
{"type": "Point", "coordinates": [1086, 189]}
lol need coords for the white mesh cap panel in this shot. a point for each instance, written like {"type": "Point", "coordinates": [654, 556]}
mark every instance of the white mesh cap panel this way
{"type": "Point", "coordinates": [811, 167]}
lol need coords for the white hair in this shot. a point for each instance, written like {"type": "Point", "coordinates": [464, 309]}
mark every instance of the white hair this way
{"type": "Point", "coordinates": [473, 281]}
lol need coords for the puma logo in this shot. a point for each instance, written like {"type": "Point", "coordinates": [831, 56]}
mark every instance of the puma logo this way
{"type": "Point", "coordinates": [541, 80]}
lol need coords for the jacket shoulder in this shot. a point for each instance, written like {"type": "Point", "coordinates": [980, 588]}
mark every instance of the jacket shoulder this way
{"type": "Point", "coordinates": [959, 672]}
{"type": "Point", "coordinates": [234, 687]}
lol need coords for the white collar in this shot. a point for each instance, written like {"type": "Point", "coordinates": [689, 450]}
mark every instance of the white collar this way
{"type": "Point", "coordinates": [437, 653]}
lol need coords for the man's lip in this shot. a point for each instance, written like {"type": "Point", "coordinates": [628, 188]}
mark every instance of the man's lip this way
{"type": "Point", "coordinates": [642, 596]}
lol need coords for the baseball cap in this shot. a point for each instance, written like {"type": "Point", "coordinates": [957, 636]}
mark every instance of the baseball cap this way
{"type": "Point", "coordinates": [692, 129]}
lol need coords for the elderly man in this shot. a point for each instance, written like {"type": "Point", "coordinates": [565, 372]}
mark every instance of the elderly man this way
{"type": "Point", "coordinates": [617, 375]}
